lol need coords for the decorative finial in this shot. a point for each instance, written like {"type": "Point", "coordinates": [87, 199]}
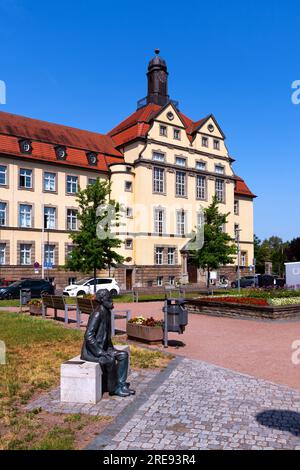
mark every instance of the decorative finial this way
{"type": "Point", "coordinates": [157, 51]}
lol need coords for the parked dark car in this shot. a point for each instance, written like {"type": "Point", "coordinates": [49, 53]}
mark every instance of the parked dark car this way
{"type": "Point", "coordinates": [36, 286]}
{"type": "Point", "coordinates": [246, 281]}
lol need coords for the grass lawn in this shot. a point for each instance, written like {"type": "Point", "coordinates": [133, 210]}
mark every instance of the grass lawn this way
{"type": "Point", "coordinates": [35, 350]}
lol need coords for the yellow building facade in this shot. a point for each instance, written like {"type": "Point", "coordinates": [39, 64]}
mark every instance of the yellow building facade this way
{"type": "Point", "coordinates": [164, 169]}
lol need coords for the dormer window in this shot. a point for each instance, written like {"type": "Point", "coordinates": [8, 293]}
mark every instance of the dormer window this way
{"type": "Point", "coordinates": [25, 146]}
{"type": "Point", "coordinates": [61, 153]}
{"type": "Point", "coordinates": [92, 158]}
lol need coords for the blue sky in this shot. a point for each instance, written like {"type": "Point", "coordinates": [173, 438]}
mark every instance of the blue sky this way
{"type": "Point", "coordinates": [83, 64]}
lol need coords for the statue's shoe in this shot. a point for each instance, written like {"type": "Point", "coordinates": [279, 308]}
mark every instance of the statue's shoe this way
{"type": "Point", "coordinates": [128, 390]}
{"type": "Point", "coordinates": [121, 392]}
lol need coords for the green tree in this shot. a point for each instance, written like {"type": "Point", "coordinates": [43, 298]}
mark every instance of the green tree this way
{"type": "Point", "coordinates": [94, 244]}
{"type": "Point", "coordinates": [219, 248]}
{"type": "Point", "coordinates": [272, 249]}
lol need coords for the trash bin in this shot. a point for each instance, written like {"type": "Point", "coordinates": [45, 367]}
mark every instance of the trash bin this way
{"type": "Point", "coordinates": [177, 315]}
{"type": "Point", "coordinates": [25, 296]}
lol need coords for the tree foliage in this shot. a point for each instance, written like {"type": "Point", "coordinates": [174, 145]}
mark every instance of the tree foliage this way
{"type": "Point", "coordinates": [219, 248]}
{"type": "Point", "coordinates": [91, 252]}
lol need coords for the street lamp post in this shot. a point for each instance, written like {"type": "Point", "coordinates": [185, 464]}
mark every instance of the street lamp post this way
{"type": "Point", "coordinates": [239, 259]}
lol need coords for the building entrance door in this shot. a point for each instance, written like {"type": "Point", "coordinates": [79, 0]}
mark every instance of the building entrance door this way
{"type": "Point", "coordinates": [129, 279]}
{"type": "Point", "coordinates": [192, 272]}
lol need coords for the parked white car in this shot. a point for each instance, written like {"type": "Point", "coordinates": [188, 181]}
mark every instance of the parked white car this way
{"type": "Point", "coordinates": [86, 286]}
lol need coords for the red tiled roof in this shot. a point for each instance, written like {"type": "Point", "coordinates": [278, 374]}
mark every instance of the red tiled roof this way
{"type": "Point", "coordinates": [45, 136]}
{"type": "Point", "coordinates": [241, 188]}
{"type": "Point", "coordinates": [138, 124]}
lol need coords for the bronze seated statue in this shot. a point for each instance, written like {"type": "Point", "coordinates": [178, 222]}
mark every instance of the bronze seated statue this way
{"type": "Point", "coordinates": [98, 347]}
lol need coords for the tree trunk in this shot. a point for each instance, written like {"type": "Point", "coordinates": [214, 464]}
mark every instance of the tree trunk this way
{"type": "Point", "coordinates": [208, 277]}
{"type": "Point", "coordinates": [95, 275]}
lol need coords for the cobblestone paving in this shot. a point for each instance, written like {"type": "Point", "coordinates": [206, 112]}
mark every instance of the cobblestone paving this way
{"type": "Point", "coordinates": [108, 406]}
{"type": "Point", "coordinates": [201, 406]}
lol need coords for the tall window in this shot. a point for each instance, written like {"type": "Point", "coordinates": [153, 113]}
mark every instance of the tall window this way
{"type": "Point", "coordinates": [220, 190]}
{"type": "Point", "coordinates": [3, 175]}
{"type": "Point", "coordinates": [49, 254]}
{"type": "Point", "coordinates": [158, 180]}
{"type": "Point", "coordinates": [49, 217]}
{"type": "Point", "coordinates": [159, 220]}
{"type": "Point", "coordinates": [159, 254]}
{"type": "Point", "coordinates": [2, 253]}
{"type": "Point", "coordinates": [72, 184]}
{"type": "Point", "coordinates": [200, 219]}
{"type": "Point", "coordinates": [25, 178]}
{"type": "Point", "coordinates": [3, 213]}
{"type": "Point", "coordinates": [236, 231]}
{"type": "Point", "coordinates": [71, 219]}
{"type": "Point", "coordinates": [25, 254]}
{"type": "Point", "coordinates": [49, 181]}
{"type": "Point", "coordinates": [159, 281]}
{"type": "Point", "coordinates": [25, 215]}
{"type": "Point", "coordinates": [181, 222]}
{"type": "Point", "coordinates": [201, 187]}
{"type": "Point", "coordinates": [171, 255]}
{"type": "Point", "coordinates": [180, 183]}
{"type": "Point", "coordinates": [236, 207]}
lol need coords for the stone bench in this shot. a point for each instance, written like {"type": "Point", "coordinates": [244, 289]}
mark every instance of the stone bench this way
{"type": "Point", "coordinates": [81, 381]}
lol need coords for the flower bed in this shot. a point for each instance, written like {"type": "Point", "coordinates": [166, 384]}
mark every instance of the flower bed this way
{"type": "Point", "coordinates": [35, 307]}
{"type": "Point", "coordinates": [237, 300]}
{"type": "Point", "coordinates": [237, 307]}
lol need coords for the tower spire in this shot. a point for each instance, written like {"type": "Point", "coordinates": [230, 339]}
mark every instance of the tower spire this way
{"type": "Point", "coordinates": [157, 80]}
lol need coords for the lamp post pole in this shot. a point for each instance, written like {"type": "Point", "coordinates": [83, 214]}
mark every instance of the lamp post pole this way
{"type": "Point", "coordinates": [239, 259]}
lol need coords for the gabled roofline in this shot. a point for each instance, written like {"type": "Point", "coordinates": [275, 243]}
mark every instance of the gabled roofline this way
{"type": "Point", "coordinates": [210, 116]}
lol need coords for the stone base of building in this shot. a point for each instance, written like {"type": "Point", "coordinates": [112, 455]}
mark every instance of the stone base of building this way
{"type": "Point", "coordinates": [126, 276]}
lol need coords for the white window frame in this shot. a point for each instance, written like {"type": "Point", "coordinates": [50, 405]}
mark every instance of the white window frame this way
{"type": "Point", "coordinates": [201, 166]}
{"type": "Point", "coordinates": [163, 130]}
{"type": "Point", "coordinates": [129, 243]}
{"type": "Point", "coordinates": [220, 190]}
{"type": "Point", "coordinates": [204, 141]}
{"type": "Point", "coordinates": [49, 181]}
{"type": "Point", "coordinates": [72, 184]}
{"type": "Point", "coordinates": [201, 188]}
{"type": "Point", "coordinates": [27, 174]}
{"type": "Point", "coordinates": [160, 281]}
{"type": "Point", "coordinates": [128, 186]}
{"type": "Point", "coordinates": [236, 207]}
{"type": "Point", "coordinates": [174, 134]}
{"type": "Point", "coordinates": [3, 172]}
{"type": "Point", "coordinates": [50, 213]}
{"type": "Point", "coordinates": [216, 144]}
{"type": "Point", "coordinates": [25, 254]}
{"type": "Point", "coordinates": [158, 156]}
{"type": "Point", "coordinates": [158, 180]}
{"type": "Point", "coordinates": [180, 161]}
{"type": "Point", "coordinates": [181, 222]}
{"type": "Point", "coordinates": [49, 253]}
{"type": "Point", "coordinates": [72, 221]}
{"type": "Point", "coordinates": [159, 220]}
{"type": "Point", "coordinates": [181, 189]}
{"type": "Point", "coordinates": [2, 254]}
{"type": "Point", "coordinates": [25, 215]}
{"type": "Point", "coordinates": [171, 256]}
{"type": "Point", "coordinates": [3, 213]}
{"type": "Point", "coordinates": [220, 169]}
{"type": "Point", "coordinates": [159, 255]}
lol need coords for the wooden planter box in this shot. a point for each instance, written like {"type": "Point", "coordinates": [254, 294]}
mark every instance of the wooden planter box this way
{"type": "Point", "coordinates": [35, 309]}
{"type": "Point", "coordinates": [148, 334]}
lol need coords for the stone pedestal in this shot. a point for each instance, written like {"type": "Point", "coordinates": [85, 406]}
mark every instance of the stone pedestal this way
{"type": "Point", "coordinates": [80, 381]}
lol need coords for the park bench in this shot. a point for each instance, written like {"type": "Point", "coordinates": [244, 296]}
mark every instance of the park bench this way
{"type": "Point", "coordinates": [56, 302]}
{"type": "Point", "coordinates": [87, 306]}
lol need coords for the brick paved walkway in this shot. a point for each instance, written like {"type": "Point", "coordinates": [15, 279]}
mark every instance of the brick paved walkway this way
{"type": "Point", "coordinates": [201, 406]}
{"type": "Point", "coordinates": [108, 406]}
